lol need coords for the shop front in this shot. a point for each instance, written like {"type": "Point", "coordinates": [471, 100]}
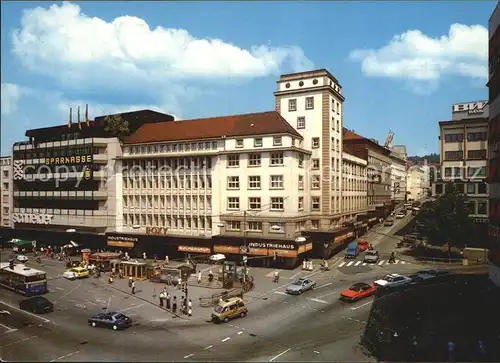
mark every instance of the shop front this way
{"type": "Point", "coordinates": [327, 244]}
{"type": "Point", "coordinates": [265, 253]}
{"type": "Point", "coordinates": [373, 218]}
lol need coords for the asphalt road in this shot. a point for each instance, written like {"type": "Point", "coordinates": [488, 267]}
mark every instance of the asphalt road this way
{"type": "Point", "coordinates": [314, 326]}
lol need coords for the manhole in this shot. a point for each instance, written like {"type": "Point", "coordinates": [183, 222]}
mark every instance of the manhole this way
{"type": "Point", "coordinates": [84, 342]}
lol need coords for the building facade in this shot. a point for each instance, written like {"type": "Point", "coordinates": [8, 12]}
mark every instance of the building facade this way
{"type": "Point", "coordinates": [64, 181]}
{"type": "Point", "coordinates": [416, 183]}
{"type": "Point", "coordinates": [354, 185]}
{"type": "Point", "coordinates": [398, 174]}
{"type": "Point", "coordinates": [5, 191]}
{"type": "Point", "coordinates": [464, 156]}
{"type": "Point", "coordinates": [494, 143]}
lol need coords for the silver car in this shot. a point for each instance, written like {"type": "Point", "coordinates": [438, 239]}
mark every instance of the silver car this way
{"type": "Point", "coordinates": [371, 256]}
{"type": "Point", "coordinates": [299, 286]}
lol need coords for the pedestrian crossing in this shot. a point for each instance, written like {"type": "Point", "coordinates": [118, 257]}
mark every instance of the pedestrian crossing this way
{"type": "Point", "coordinates": [364, 264]}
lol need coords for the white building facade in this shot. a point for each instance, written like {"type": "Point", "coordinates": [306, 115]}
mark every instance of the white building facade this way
{"type": "Point", "coordinates": [6, 191]}
{"type": "Point", "coordinates": [354, 184]}
{"type": "Point", "coordinates": [398, 177]}
{"type": "Point", "coordinates": [416, 184]}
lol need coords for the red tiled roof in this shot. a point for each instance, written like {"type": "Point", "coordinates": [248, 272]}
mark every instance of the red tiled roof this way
{"type": "Point", "coordinates": [261, 123]}
{"type": "Point", "coordinates": [349, 135]}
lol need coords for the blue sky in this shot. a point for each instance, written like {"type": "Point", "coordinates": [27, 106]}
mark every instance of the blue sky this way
{"type": "Point", "coordinates": [401, 64]}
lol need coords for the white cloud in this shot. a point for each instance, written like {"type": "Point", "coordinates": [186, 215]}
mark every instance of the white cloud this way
{"type": "Point", "coordinates": [416, 56]}
{"type": "Point", "coordinates": [66, 44]}
{"type": "Point", "coordinates": [11, 93]}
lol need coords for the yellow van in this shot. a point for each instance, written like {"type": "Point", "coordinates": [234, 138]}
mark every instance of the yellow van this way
{"type": "Point", "coordinates": [229, 309]}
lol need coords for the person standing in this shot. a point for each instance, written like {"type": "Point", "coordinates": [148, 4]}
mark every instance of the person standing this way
{"type": "Point", "coordinates": [451, 351]}
{"type": "Point", "coordinates": [168, 301]}
{"type": "Point", "coordinates": [199, 277]}
{"type": "Point", "coordinates": [130, 280]}
{"type": "Point", "coordinates": [133, 287]}
{"type": "Point", "coordinates": [162, 297]}
{"type": "Point", "coordinates": [190, 307]}
{"type": "Point", "coordinates": [174, 305]}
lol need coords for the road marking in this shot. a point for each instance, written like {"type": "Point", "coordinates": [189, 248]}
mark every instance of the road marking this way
{"type": "Point", "coordinates": [325, 295]}
{"type": "Point", "coordinates": [59, 288]}
{"type": "Point", "coordinates": [325, 285]}
{"type": "Point", "coordinates": [317, 300]}
{"type": "Point", "coordinates": [315, 351]}
{"type": "Point", "coordinates": [65, 356]}
{"type": "Point", "coordinates": [163, 320]}
{"type": "Point", "coordinates": [280, 293]}
{"type": "Point", "coordinates": [109, 302]}
{"type": "Point", "coordinates": [9, 331]}
{"type": "Point", "coordinates": [403, 262]}
{"type": "Point", "coordinates": [342, 264]}
{"type": "Point", "coordinates": [132, 307]}
{"type": "Point", "coordinates": [279, 355]}
{"type": "Point", "coordinates": [26, 312]}
{"type": "Point", "coordinates": [354, 319]}
{"type": "Point", "coordinates": [293, 276]}
{"type": "Point", "coordinates": [381, 263]}
{"type": "Point", "coordinates": [19, 341]}
{"type": "Point", "coordinates": [225, 339]}
{"type": "Point", "coordinates": [350, 263]}
{"type": "Point", "coordinates": [396, 262]}
{"type": "Point", "coordinates": [364, 263]}
{"type": "Point", "coordinates": [188, 356]}
{"type": "Point", "coordinates": [357, 263]}
{"type": "Point", "coordinates": [360, 306]}
{"type": "Point", "coordinates": [240, 332]}
{"type": "Point", "coordinates": [69, 292]}
{"type": "Point", "coordinates": [210, 346]}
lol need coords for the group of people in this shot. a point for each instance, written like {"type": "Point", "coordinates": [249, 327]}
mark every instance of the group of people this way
{"type": "Point", "coordinates": [166, 302]}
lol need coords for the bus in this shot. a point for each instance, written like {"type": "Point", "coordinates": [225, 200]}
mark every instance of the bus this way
{"type": "Point", "coordinates": [23, 279]}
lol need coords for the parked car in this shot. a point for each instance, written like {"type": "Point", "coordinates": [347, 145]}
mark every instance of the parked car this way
{"type": "Point", "coordinates": [22, 258]}
{"type": "Point", "coordinates": [110, 320]}
{"type": "Point", "coordinates": [352, 250]}
{"type": "Point", "coordinates": [416, 278]}
{"type": "Point", "coordinates": [371, 256]}
{"type": "Point", "coordinates": [357, 291]}
{"type": "Point", "coordinates": [393, 281]}
{"type": "Point", "coordinates": [400, 215]}
{"type": "Point", "coordinates": [229, 309]}
{"type": "Point", "coordinates": [434, 273]}
{"type": "Point", "coordinates": [76, 273]}
{"type": "Point", "coordinates": [363, 245]}
{"type": "Point", "coordinates": [36, 305]}
{"type": "Point", "coordinates": [389, 222]}
{"type": "Point", "coordinates": [300, 286]}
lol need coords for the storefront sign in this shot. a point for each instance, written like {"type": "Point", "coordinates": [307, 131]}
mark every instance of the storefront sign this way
{"type": "Point", "coordinates": [305, 248]}
{"type": "Point", "coordinates": [471, 108]}
{"type": "Point", "coordinates": [194, 249]}
{"type": "Point", "coordinates": [343, 237]}
{"type": "Point", "coordinates": [122, 241]}
{"type": "Point", "coordinates": [227, 249]}
{"type": "Point", "coordinates": [68, 160]}
{"type": "Point", "coordinates": [282, 253]}
{"type": "Point", "coordinates": [32, 218]}
{"type": "Point", "coordinates": [258, 251]}
{"type": "Point", "coordinates": [156, 231]}
{"type": "Point", "coordinates": [272, 245]}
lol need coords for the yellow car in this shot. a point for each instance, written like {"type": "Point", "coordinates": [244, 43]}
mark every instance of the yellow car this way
{"type": "Point", "coordinates": [76, 273]}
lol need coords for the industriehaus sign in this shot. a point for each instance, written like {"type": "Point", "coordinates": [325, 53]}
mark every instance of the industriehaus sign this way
{"type": "Point", "coordinates": [32, 218]}
{"type": "Point", "coordinates": [271, 245]}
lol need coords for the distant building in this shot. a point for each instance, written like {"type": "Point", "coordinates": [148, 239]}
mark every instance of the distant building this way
{"type": "Point", "coordinates": [5, 191]}
{"type": "Point", "coordinates": [398, 173]}
{"type": "Point", "coordinates": [494, 144]}
{"type": "Point", "coordinates": [416, 183]}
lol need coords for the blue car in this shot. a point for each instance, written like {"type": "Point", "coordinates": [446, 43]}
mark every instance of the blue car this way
{"type": "Point", "coordinates": [111, 320]}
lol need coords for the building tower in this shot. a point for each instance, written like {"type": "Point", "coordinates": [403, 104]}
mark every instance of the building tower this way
{"type": "Point", "coordinates": [312, 102]}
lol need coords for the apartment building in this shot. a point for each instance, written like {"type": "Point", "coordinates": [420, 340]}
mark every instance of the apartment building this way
{"type": "Point", "coordinates": [494, 145]}
{"type": "Point", "coordinates": [416, 183]}
{"type": "Point", "coordinates": [232, 184]}
{"type": "Point", "coordinates": [5, 191]}
{"type": "Point", "coordinates": [64, 181]}
{"type": "Point", "coordinates": [378, 170]}
{"type": "Point", "coordinates": [463, 154]}
{"type": "Point", "coordinates": [398, 173]}
{"type": "Point", "coordinates": [354, 185]}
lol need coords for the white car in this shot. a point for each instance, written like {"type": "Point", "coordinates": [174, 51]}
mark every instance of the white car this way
{"type": "Point", "coordinates": [22, 258]}
{"type": "Point", "coordinates": [393, 280]}
{"type": "Point", "coordinates": [400, 216]}
{"type": "Point", "coordinates": [70, 275]}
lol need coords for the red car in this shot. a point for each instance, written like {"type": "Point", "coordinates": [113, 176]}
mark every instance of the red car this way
{"type": "Point", "coordinates": [357, 292]}
{"type": "Point", "coordinates": [363, 245]}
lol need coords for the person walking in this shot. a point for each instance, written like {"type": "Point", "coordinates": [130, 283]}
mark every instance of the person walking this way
{"type": "Point", "coordinates": [451, 351]}
{"type": "Point", "coordinates": [276, 276]}
{"type": "Point", "coordinates": [174, 305]}
{"type": "Point", "coordinates": [183, 304]}
{"type": "Point", "coordinates": [144, 256]}
{"type": "Point", "coordinates": [199, 277]}
{"type": "Point", "coordinates": [190, 307]}
{"type": "Point", "coordinates": [130, 280]}
{"type": "Point", "coordinates": [162, 297]}
{"type": "Point", "coordinates": [133, 287]}
{"type": "Point", "coordinates": [168, 301]}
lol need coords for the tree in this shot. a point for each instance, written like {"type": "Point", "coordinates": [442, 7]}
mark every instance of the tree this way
{"type": "Point", "coordinates": [117, 126]}
{"type": "Point", "coordinates": [449, 215]}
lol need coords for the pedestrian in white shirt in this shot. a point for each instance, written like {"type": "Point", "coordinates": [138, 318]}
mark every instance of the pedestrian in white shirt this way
{"type": "Point", "coordinates": [199, 277]}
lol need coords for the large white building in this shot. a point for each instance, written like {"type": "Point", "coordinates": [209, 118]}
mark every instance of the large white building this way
{"type": "Point", "coordinates": [5, 191]}
{"type": "Point", "coordinates": [354, 184]}
{"type": "Point", "coordinates": [398, 174]}
{"type": "Point", "coordinates": [416, 183]}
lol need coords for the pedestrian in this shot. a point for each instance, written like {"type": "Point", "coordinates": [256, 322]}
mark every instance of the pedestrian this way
{"type": "Point", "coordinates": [130, 281]}
{"type": "Point", "coordinates": [162, 297]}
{"type": "Point", "coordinates": [276, 276]}
{"type": "Point", "coordinates": [174, 305]}
{"type": "Point", "coordinates": [482, 351]}
{"type": "Point", "coordinates": [199, 277]}
{"type": "Point", "coordinates": [133, 287]}
{"type": "Point", "coordinates": [183, 301]}
{"type": "Point", "coordinates": [168, 301]}
{"type": "Point", "coordinates": [190, 307]}
{"type": "Point", "coordinates": [451, 351]}
{"type": "Point", "coordinates": [144, 256]}
{"type": "Point", "coordinates": [179, 283]}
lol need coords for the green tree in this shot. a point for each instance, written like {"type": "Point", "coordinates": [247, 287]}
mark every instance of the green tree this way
{"type": "Point", "coordinates": [117, 126]}
{"type": "Point", "coordinates": [449, 215]}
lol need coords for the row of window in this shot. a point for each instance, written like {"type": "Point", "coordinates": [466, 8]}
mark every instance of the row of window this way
{"type": "Point", "coordinates": [472, 172]}
{"type": "Point", "coordinates": [58, 185]}
{"type": "Point", "coordinates": [169, 182]}
{"type": "Point", "coordinates": [255, 203]}
{"type": "Point", "coordinates": [189, 202]}
{"type": "Point", "coordinates": [275, 159]}
{"type": "Point", "coordinates": [170, 222]}
{"type": "Point", "coordinates": [59, 152]}
{"type": "Point", "coordinates": [199, 163]}
{"type": "Point", "coordinates": [309, 104]}
{"type": "Point", "coordinates": [254, 182]}
{"type": "Point", "coordinates": [471, 136]}
{"type": "Point", "coordinates": [471, 155]}
{"type": "Point", "coordinates": [50, 169]}
{"type": "Point", "coordinates": [255, 226]}
{"type": "Point", "coordinates": [59, 204]}
{"type": "Point", "coordinates": [177, 147]}
{"type": "Point", "coordinates": [468, 188]}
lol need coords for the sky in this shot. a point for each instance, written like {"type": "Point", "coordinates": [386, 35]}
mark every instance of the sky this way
{"type": "Point", "coordinates": [401, 64]}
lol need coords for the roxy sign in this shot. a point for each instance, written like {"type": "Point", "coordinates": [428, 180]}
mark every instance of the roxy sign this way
{"type": "Point", "coordinates": [32, 218]}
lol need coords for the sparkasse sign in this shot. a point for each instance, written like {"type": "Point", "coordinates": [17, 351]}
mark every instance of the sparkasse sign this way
{"type": "Point", "coordinates": [68, 160]}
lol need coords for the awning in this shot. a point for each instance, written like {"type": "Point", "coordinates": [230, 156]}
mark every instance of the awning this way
{"type": "Point", "coordinates": [20, 242]}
